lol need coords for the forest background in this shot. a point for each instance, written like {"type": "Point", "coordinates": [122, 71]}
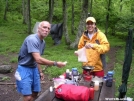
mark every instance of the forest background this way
{"type": "Point", "coordinates": [114, 18]}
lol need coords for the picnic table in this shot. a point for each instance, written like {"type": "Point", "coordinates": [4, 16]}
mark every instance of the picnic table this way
{"type": "Point", "coordinates": [103, 94]}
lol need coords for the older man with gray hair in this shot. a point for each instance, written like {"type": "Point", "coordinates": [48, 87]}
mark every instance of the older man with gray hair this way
{"type": "Point", "coordinates": [29, 72]}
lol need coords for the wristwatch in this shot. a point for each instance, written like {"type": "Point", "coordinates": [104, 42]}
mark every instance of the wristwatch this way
{"type": "Point", "coordinates": [55, 63]}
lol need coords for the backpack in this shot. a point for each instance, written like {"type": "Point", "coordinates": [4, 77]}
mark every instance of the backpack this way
{"type": "Point", "coordinates": [69, 92]}
{"type": "Point", "coordinates": [102, 56]}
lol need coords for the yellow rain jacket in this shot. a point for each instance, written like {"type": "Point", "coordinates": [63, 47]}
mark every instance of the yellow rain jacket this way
{"type": "Point", "coordinates": [100, 46]}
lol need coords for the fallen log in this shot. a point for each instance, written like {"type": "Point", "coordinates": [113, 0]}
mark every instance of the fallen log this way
{"type": "Point", "coordinates": [13, 83]}
{"type": "Point", "coordinates": [7, 83]}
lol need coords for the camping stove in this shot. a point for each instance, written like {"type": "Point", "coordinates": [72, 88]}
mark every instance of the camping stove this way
{"type": "Point", "coordinates": [86, 72]}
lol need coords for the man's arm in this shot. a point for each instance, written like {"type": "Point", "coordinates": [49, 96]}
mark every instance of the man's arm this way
{"type": "Point", "coordinates": [44, 61]}
{"type": "Point", "coordinates": [40, 71]}
{"type": "Point", "coordinates": [39, 68]}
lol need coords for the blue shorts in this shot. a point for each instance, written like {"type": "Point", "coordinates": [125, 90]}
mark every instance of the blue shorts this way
{"type": "Point", "coordinates": [29, 80]}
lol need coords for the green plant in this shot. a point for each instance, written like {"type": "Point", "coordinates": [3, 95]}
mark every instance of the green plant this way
{"type": "Point", "coordinates": [14, 60]}
{"type": "Point", "coordinates": [5, 78]}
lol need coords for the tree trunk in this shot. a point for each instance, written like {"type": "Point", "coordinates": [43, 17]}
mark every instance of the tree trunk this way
{"type": "Point", "coordinates": [24, 11]}
{"type": "Point", "coordinates": [6, 8]}
{"type": "Point", "coordinates": [65, 29]}
{"type": "Point", "coordinates": [81, 26]}
{"type": "Point", "coordinates": [91, 3]}
{"type": "Point", "coordinates": [29, 17]}
{"type": "Point", "coordinates": [72, 25]}
{"type": "Point", "coordinates": [120, 5]}
{"type": "Point", "coordinates": [107, 17]}
{"type": "Point", "coordinates": [51, 9]}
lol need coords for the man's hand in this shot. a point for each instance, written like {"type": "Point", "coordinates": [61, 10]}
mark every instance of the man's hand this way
{"type": "Point", "coordinates": [89, 45]}
{"type": "Point", "coordinates": [42, 76]}
{"type": "Point", "coordinates": [76, 53]}
{"type": "Point", "coordinates": [61, 64]}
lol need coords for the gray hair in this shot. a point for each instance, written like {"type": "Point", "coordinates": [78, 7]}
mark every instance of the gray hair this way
{"type": "Point", "coordinates": [37, 25]}
{"type": "Point", "coordinates": [35, 29]}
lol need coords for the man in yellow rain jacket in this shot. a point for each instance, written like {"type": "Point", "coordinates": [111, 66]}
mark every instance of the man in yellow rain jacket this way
{"type": "Point", "coordinates": [96, 44]}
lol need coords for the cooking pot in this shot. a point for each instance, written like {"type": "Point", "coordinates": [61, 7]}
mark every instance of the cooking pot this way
{"type": "Point", "coordinates": [88, 68]}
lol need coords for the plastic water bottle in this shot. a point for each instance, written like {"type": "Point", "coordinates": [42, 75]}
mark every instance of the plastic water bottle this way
{"type": "Point", "coordinates": [74, 75]}
{"type": "Point", "coordinates": [109, 79]}
{"type": "Point", "coordinates": [74, 72]}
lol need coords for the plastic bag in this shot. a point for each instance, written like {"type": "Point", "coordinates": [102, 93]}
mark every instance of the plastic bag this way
{"type": "Point", "coordinates": [82, 55]}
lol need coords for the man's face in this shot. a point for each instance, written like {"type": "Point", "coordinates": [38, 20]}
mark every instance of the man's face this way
{"type": "Point", "coordinates": [90, 26]}
{"type": "Point", "coordinates": [44, 29]}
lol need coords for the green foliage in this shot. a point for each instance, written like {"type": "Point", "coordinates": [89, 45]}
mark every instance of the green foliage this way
{"type": "Point", "coordinates": [121, 35]}
{"type": "Point", "coordinates": [14, 5]}
{"type": "Point", "coordinates": [118, 20]}
{"type": "Point", "coordinates": [12, 35]}
{"type": "Point", "coordinates": [14, 60]}
{"type": "Point", "coordinates": [115, 41]}
{"type": "Point", "coordinates": [1, 7]}
{"type": "Point", "coordinates": [39, 10]}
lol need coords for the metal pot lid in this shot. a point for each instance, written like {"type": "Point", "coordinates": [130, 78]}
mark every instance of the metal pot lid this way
{"type": "Point", "coordinates": [88, 67]}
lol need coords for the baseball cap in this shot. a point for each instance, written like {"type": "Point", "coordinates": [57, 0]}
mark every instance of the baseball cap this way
{"type": "Point", "coordinates": [92, 19]}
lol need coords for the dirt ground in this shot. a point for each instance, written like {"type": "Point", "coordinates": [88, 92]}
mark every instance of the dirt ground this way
{"type": "Point", "coordinates": [8, 90]}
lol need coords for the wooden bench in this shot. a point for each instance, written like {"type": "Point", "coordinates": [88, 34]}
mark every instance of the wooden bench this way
{"type": "Point", "coordinates": [103, 94]}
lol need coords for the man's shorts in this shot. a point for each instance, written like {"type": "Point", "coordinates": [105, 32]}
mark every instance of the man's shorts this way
{"type": "Point", "coordinates": [27, 80]}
